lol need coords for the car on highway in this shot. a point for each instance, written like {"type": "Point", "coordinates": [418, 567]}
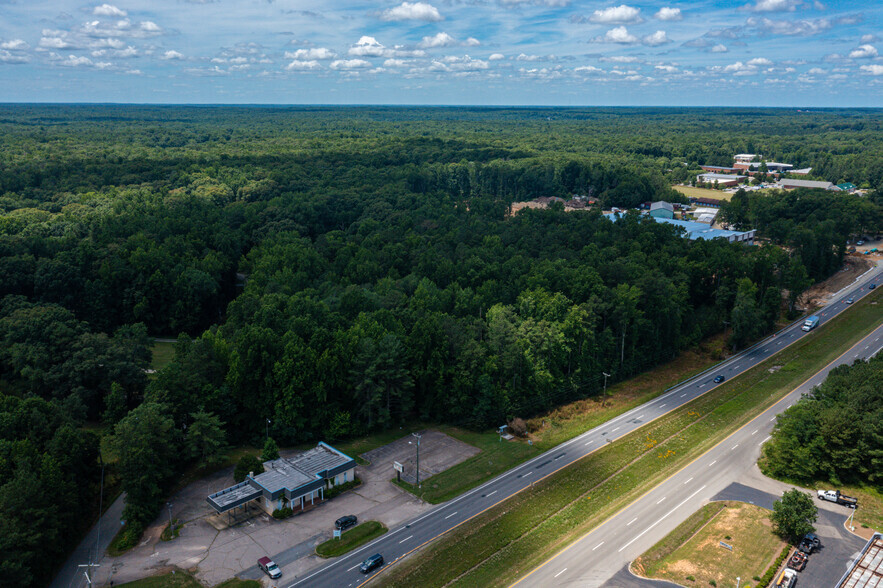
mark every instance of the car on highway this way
{"type": "Point", "coordinates": [849, 300]}
{"type": "Point", "coordinates": [346, 522]}
{"type": "Point", "coordinates": [719, 378]}
{"type": "Point", "coordinates": [373, 562]}
{"type": "Point", "coordinates": [269, 567]}
{"type": "Point", "coordinates": [872, 286]}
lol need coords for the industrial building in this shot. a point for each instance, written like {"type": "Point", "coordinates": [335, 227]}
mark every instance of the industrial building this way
{"type": "Point", "coordinates": [867, 570]}
{"type": "Point", "coordinates": [720, 179]}
{"type": "Point", "coordinates": [788, 184]}
{"type": "Point", "coordinates": [696, 230]}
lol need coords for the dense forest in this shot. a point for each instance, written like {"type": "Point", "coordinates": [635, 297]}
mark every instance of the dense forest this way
{"type": "Point", "coordinates": [835, 434]}
{"type": "Point", "coordinates": [341, 270]}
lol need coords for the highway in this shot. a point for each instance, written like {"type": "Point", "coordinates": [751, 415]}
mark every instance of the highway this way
{"type": "Point", "coordinates": [401, 541]}
{"type": "Point", "coordinates": [597, 556]}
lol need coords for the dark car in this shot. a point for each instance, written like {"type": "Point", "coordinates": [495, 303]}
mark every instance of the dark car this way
{"type": "Point", "coordinates": [375, 561]}
{"type": "Point", "coordinates": [872, 286]}
{"type": "Point", "coordinates": [346, 522]}
{"type": "Point", "coordinates": [720, 378]}
{"type": "Point", "coordinates": [810, 543]}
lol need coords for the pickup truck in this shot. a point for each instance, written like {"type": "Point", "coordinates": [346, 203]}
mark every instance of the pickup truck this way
{"type": "Point", "coordinates": [788, 579]}
{"type": "Point", "coordinates": [836, 496]}
{"type": "Point", "coordinates": [810, 323]}
{"type": "Point", "coordinates": [798, 561]}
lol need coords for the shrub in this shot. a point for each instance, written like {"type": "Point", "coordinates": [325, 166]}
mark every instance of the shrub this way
{"type": "Point", "coordinates": [771, 573]}
{"type": "Point", "coordinates": [341, 488]}
{"type": "Point", "coordinates": [518, 427]}
{"type": "Point", "coordinates": [282, 513]}
{"type": "Point", "coordinates": [691, 578]}
{"type": "Point", "coordinates": [713, 583]}
{"type": "Point", "coordinates": [727, 537]}
{"type": "Point", "coordinates": [248, 463]}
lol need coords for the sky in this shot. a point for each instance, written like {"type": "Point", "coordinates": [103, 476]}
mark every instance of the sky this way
{"type": "Point", "coordinates": [786, 53]}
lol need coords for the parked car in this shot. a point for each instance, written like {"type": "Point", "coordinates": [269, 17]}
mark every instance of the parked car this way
{"type": "Point", "coordinates": [809, 543]}
{"type": "Point", "coordinates": [346, 522]}
{"type": "Point", "coordinates": [269, 567]}
{"type": "Point", "coordinates": [798, 561]}
{"type": "Point", "coordinates": [375, 561]}
{"type": "Point", "coordinates": [859, 243]}
{"type": "Point", "coordinates": [719, 378]}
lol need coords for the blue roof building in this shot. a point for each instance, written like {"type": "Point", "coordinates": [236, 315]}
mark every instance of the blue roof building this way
{"type": "Point", "coordinates": [694, 230]}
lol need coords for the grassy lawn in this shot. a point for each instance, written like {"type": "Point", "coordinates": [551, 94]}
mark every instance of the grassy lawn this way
{"type": "Point", "coordinates": [180, 579]}
{"type": "Point", "coordinates": [691, 555]}
{"type": "Point", "coordinates": [870, 506]}
{"type": "Point", "coordinates": [691, 192]}
{"type": "Point", "coordinates": [349, 540]}
{"type": "Point", "coordinates": [163, 353]}
{"type": "Point", "coordinates": [505, 542]}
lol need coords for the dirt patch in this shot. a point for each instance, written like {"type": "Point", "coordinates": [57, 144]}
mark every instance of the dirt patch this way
{"type": "Point", "coordinates": [438, 452]}
{"type": "Point", "coordinates": [818, 295]}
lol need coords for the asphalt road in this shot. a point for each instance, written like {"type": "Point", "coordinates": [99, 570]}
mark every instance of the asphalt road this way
{"type": "Point", "coordinates": [399, 542]}
{"type": "Point", "coordinates": [72, 576]}
{"type": "Point", "coordinates": [602, 553]}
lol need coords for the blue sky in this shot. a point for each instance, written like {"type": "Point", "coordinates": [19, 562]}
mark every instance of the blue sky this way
{"type": "Point", "coordinates": [508, 52]}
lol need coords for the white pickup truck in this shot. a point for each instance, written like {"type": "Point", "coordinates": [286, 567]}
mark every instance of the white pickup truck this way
{"type": "Point", "coordinates": [836, 496]}
{"type": "Point", "coordinates": [788, 579]}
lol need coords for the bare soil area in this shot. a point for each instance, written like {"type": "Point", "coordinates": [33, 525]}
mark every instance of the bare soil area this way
{"type": "Point", "coordinates": [820, 294]}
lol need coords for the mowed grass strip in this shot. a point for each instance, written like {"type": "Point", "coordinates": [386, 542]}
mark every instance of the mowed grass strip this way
{"type": "Point", "coordinates": [700, 559]}
{"type": "Point", "coordinates": [349, 540]}
{"type": "Point", "coordinates": [509, 540]}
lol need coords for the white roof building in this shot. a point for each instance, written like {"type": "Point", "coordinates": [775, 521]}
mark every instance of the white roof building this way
{"type": "Point", "coordinates": [788, 184]}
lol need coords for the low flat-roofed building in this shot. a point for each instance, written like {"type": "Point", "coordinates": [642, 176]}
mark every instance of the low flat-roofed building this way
{"type": "Point", "coordinates": [720, 179]}
{"type": "Point", "coordinates": [867, 570]}
{"type": "Point", "coordinates": [662, 209]}
{"type": "Point", "coordinates": [695, 230]}
{"type": "Point", "coordinates": [745, 157]}
{"type": "Point", "coordinates": [295, 482]}
{"type": "Point", "coordinates": [789, 184]}
{"type": "Point", "coordinates": [772, 167]}
{"type": "Point", "coordinates": [801, 172]}
{"type": "Point", "coordinates": [720, 170]}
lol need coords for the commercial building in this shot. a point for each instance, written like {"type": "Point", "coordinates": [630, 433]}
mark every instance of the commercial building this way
{"type": "Point", "coordinates": [296, 483]}
{"type": "Point", "coordinates": [695, 230]}
{"type": "Point", "coordinates": [745, 158]}
{"type": "Point", "coordinates": [788, 184]}
{"type": "Point", "coordinates": [662, 209]}
{"type": "Point", "coordinates": [720, 170]}
{"type": "Point", "coordinates": [720, 179]}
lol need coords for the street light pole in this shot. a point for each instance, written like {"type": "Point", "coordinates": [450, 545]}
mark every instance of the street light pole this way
{"type": "Point", "coordinates": [268, 428]}
{"type": "Point", "coordinates": [738, 580]}
{"type": "Point", "coordinates": [171, 529]}
{"type": "Point", "coordinates": [418, 437]}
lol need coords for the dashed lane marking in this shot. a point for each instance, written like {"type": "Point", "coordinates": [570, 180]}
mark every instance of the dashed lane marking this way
{"type": "Point", "coordinates": [559, 573]}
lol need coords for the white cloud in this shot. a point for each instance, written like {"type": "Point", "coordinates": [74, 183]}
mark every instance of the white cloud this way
{"type": "Point", "coordinates": [471, 42]}
{"type": "Point", "coordinates": [863, 51]}
{"type": "Point", "coordinates": [668, 14]}
{"type": "Point", "coordinates": [7, 57]}
{"type": "Point", "coordinates": [621, 14]}
{"type": "Point", "coordinates": [667, 68]}
{"type": "Point", "coordinates": [393, 63]}
{"type": "Point", "coordinates": [56, 42]}
{"type": "Point", "coordinates": [438, 40]}
{"type": "Point", "coordinates": [816, 71]}
{"type": "Point", "coordinates": [656, 39]}
{"type": "Point", "coordinates": [802, 28]}
{"type": "Point", "coordinates": [760, 61]}
{"type": "Point", "coordinates": [311, 54]}
{"type": "Point", "coordinates": [367, 47]}
{"type": "Point", "coordinates": [588, 69]}
{"type": "Point", "coordinates": [620, 59]}
{"type": "Point", "coordinates": [412, 11]}
{"type": "Point", "coordinates": [773, 5]}
{"type": "Point", "coordinates": [536, 2]}
{"type": "Point", "coordinates": [617, 35]}
{"type": "Point", "coordinates": [76, 61]}
{"type": "Point", "coordinates": [874, 70]}
{"type": "Point", "coordinates": [870, 38]}
{"type": "Point", "coordinates": [134, 72]}
{"type": "Point", "coordinates": [303, 65]}
{"type": "Point", "coordinates": [496, 57]}
{"type": "Point", "coordinates": [172, 54]}
{"type": "Point", "coordinates": [737, 69]}
{"type": "Point", "coordinates": [14, 45]}
{"type": "Point", "coordinates": [452, 63]}
{"type": "Point", "coordinates": [348, 64]}
{"type": "Point", "coordinates": [719, 48]}
{"type": "Point", "coordinates": [150, 27]}
{"type": "Point", "coordinates": [108, 10]}
{"type": "Point", "coordinates": [524, 57]}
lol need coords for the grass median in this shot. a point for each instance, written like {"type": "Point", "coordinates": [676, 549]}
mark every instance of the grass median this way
{"type": "Point", "coordinates": [507, 541]}
{"type": "Point", "coordinates": [351, 539]}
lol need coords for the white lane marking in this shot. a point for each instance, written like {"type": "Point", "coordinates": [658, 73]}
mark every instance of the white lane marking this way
{"type": "Point", "coordinates": [661, 405]}
{"type": "Point", "coordinates": [616, 429]}
{"type": "Point", "coordinates": [702, 386]}
{"type": "Point", "coordinates": [491, 494]}
{"type": "Point", "coordinates": [755, 431]}
{"type": "Point", "coordinates": [589, 442]}
{"type": "Point", "coordinates": [734, 446]}
{"type": "Point", "coordinates": [405, 539]}
{"type": "Point", "coordinates": [684, 394]}
{"type": "Point", "coordinates": [631, 521]}
{"type": "Point", "coordinates": [661, 499]}
{"type": "Point", "coordinates": [526, 474]}
{"type": "Point", "coordinates": [450, 515]}
{"type": "Point", "coordinates": [639, 416]}
{"type": "Point", "coordinates": [597, 546]}
{"type": "Point", "coordinates": [354, 567]}
{"type": "Point", "coordinates": [642, 533]}
{"type": "Point", "coordinates": [559, 573]}
{"type": "Point", "coordinates": [772, 419]}
{"type": "Point", "coordinates": [768, 437]}
{"type": "Point", "coordinates": [789, 406]}
{"type": "Point", "coordinates": [712, 463]}
{"type": "Point", "coordinates": [559, 457]}
{"type": "Point", "coordinates": [688, 481]}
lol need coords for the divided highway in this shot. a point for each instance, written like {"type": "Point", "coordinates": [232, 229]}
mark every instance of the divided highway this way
{"type": "Point", "coordinates": [597, 556]}
{"type": "Point", "coordinates": [400, 541]}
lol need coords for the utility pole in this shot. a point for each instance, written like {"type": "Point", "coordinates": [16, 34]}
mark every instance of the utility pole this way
{"type": "Point", "coordinates": [606, 375]}
{"type": "Point", "coordinates": [171, 528]}
{"type": "Point", "coordinates": [268, 428]}
{"type": "Point", "coordinates": [88, 567]}
{"type": "Point", "coordinates": [100, 511]}
{"type": "Point", "coordinates": [418, 437]}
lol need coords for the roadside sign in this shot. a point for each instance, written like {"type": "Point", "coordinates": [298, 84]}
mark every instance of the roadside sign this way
{"type": "Point", "coordinates": [398, 467]}
{"type": "Point", "coordinates": [725, 546]}
{"type": "Point", "coordinates": [337, 533]}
